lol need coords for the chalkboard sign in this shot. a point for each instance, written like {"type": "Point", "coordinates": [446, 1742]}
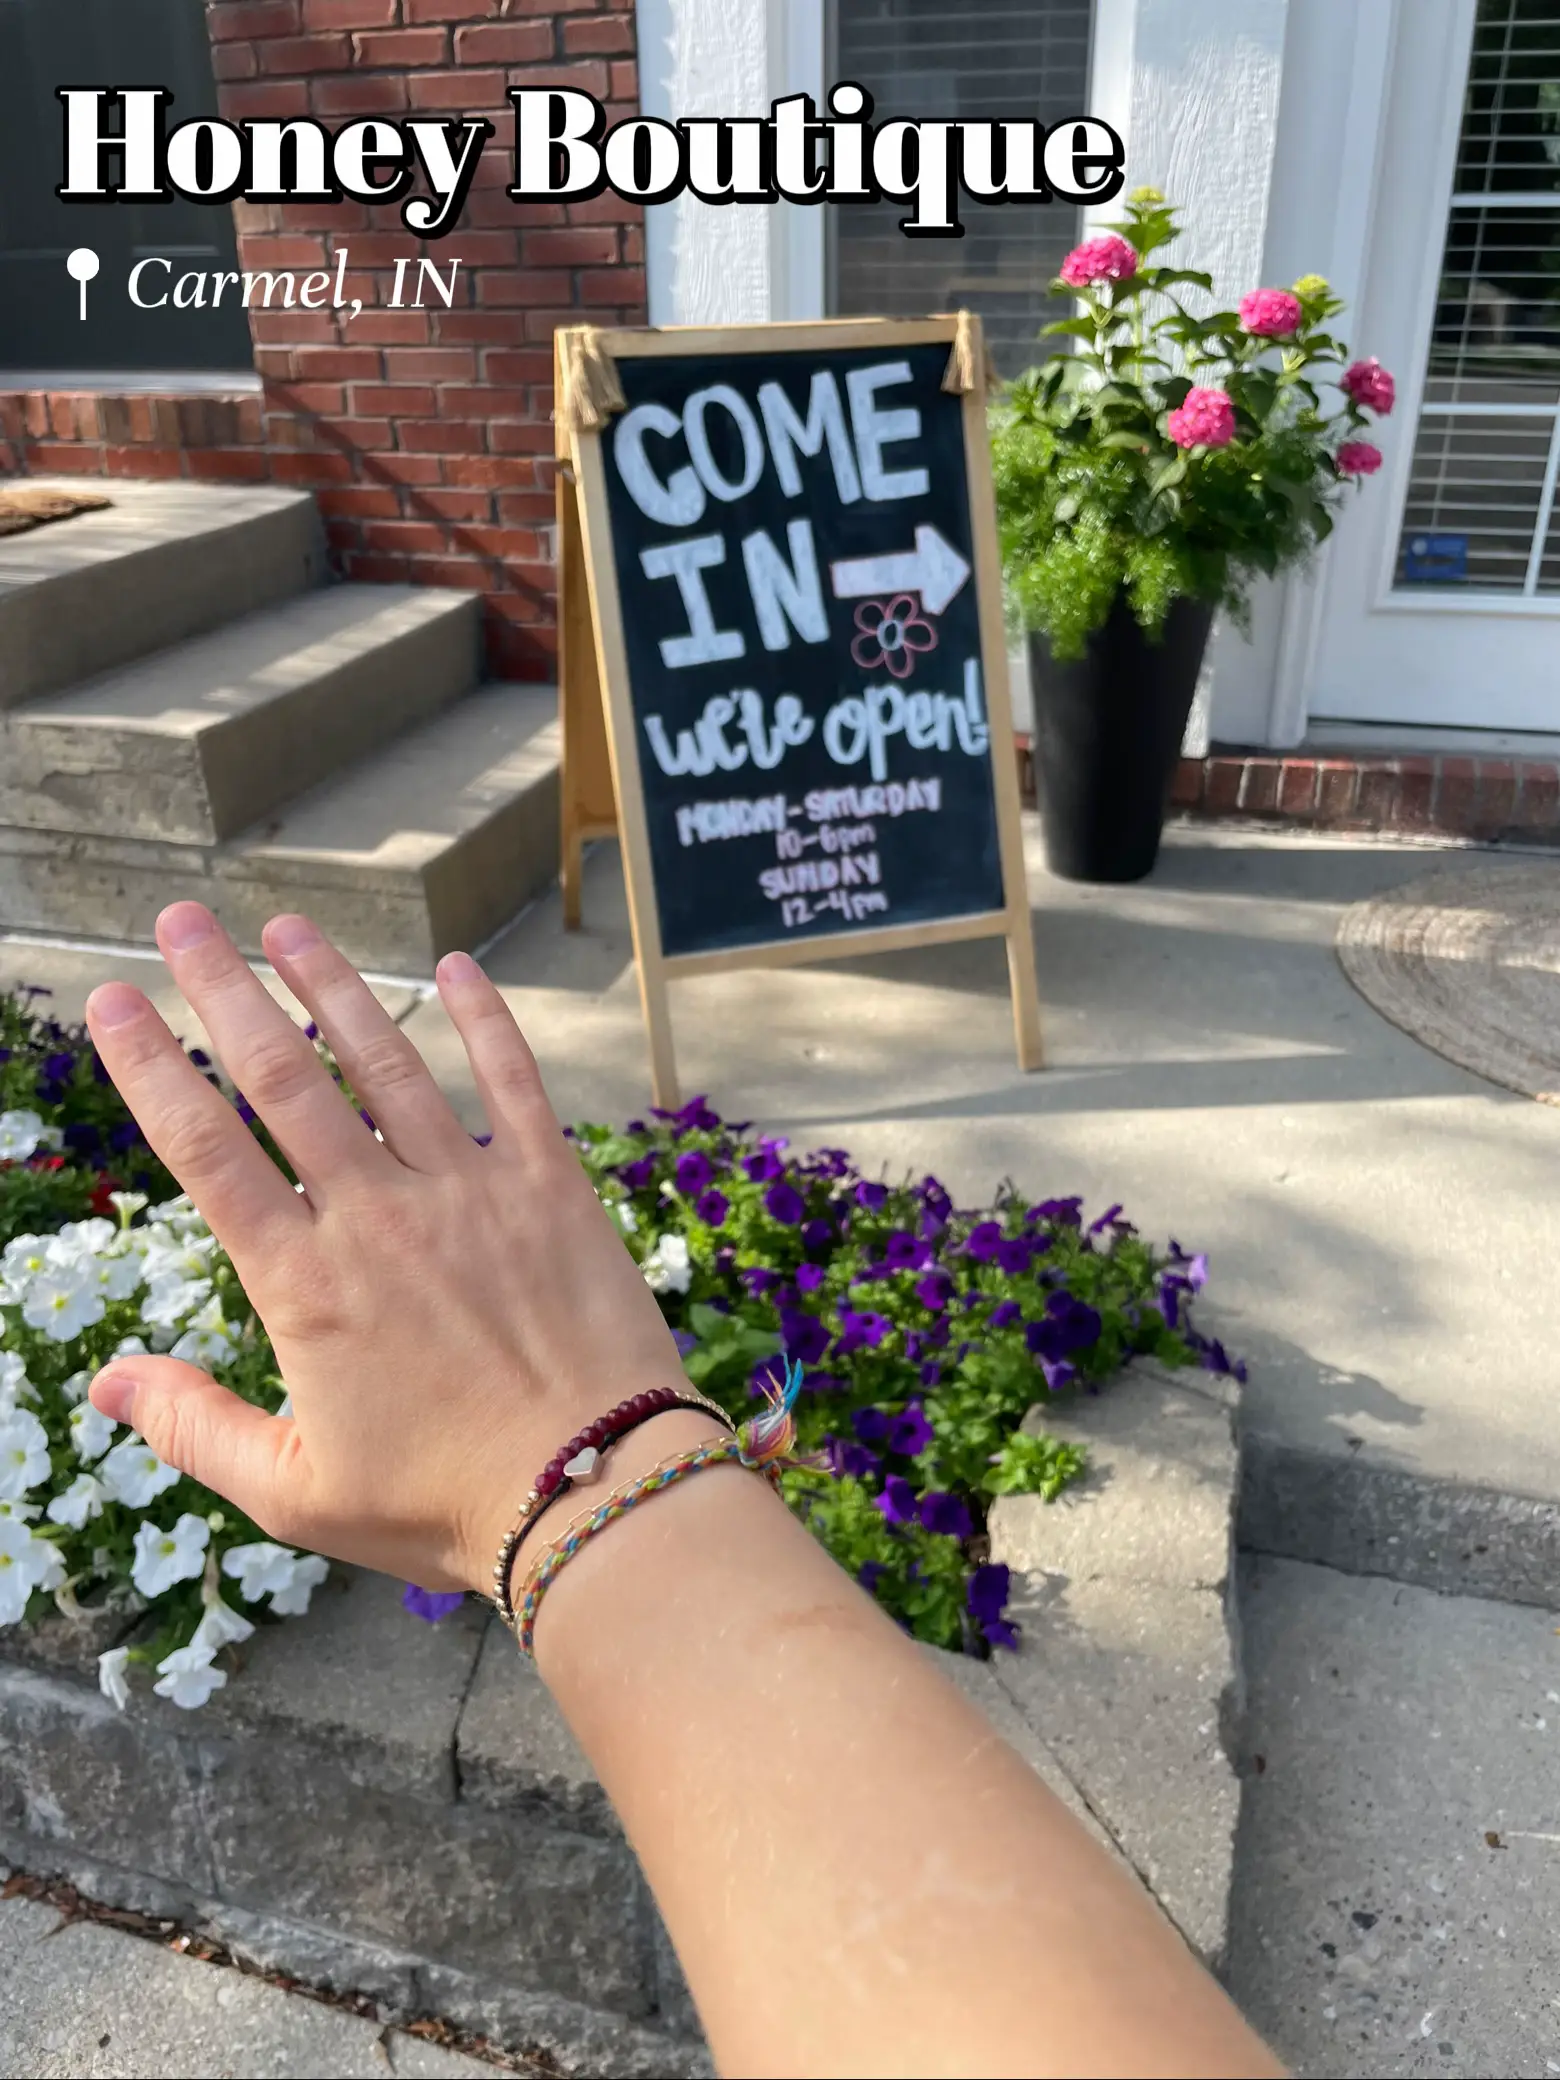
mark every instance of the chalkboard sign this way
{"type": "Point", "coordinates": [790, 547]}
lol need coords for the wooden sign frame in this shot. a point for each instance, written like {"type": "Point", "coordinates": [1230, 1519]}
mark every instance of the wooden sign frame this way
{"type": "Point", "coordinates": [601, 788]}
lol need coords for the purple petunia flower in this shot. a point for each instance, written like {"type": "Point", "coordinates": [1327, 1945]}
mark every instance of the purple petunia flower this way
{"type": "Point", "coordinates": [931, 1373]}
{"type": "Point", "coordinates": [903, 1252]}
{"type": "Point", "coordinates": [809, 1277]}
{"type": "Point", "coordinates": [870, 1573]}
{"type": "Point", "coordinates": [897, 1501]}
{"type": "Point", "coordinates": [685, 1341]}
{"type": "Point", "coordinates": [863, 1330]}
{"type": "Point", "coordinates": [784, 1203]}
{"type": "Point", "coordinates": [1106, 1220]}
{"type": "Point", "coordinates": [848, 1460]}
{"type": "Point", "coordinates": [945, 1514]}
{"type": "Point", "coordinates": [431, 1604]}
{"type": "Point", "coordinates": [758, 1279]}
{"type": "Point", "coordinates": [987, 1592]}
{"type": "Point", "coordinates": [1005, 1314]}
{"type": "Point", "coordinates": [981, 1243]}
{"type": "Point", "coordinates": [711, 1207]}
{"type": "Point", "coordinates": [871, 1197]}
{"type": "Point", "coordinates": [806, 1338]}
{"type": "Point", "coordinates": [765, 1164]}
{"type": "Point", "coordinates": [695, 1117]}
{"type": "Point", "coordinates": [1013, 1255]}
{"type": "Point", "coordinates": [640, 1175]}
{"type": "Point", "coordinates": [935, 1201]}
{"type": "Point", "coordinates": [934, 1290]}
{"type": "Point", "coordinates": [1058, 1373]}
{"type": "Point", "coordinates": [872, 1425]}
{"type": "Point", "coordinates": [693, 1171]}
{"type": "Point", "coordinates": [124, 1137]}
{"type": "Point", "coordinates": [1065, 1213]}
{"type": "Point", "coordinates": [911, 1433]}
{"type": "Point", "coordinates": [817, 1237]}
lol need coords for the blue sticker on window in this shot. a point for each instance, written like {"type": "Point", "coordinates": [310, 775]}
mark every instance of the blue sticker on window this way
{"type": "Point", "coordinates": [1435, 559]}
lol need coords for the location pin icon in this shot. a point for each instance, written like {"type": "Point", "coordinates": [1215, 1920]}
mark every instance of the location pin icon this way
{"type": "Point", "coordinates": [82, 266]}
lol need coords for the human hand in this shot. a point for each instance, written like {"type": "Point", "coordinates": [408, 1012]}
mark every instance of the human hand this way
{"type": "Point", "coordinates": [444, 1315]}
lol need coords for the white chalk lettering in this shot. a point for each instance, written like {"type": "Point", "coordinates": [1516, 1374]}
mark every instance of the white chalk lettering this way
{"type": "Point", "coordinates": [784, 591]}
{"type": "Point", "coordinates": [684, 561]}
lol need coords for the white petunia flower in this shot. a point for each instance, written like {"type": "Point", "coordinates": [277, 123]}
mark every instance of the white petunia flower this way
{"type": "Point", "coordinates": [220, 1626]}
{"type": "Point", "coordinates": [130, 1347]}
{"type": "Point", "coordinates": [60, 1303]}
{"type": "Point", "coordinates": [75, 1388]}
{"type": "Point", "coordinates": [91, 1432]}
{"type": "Point", "coordinates": [206, 1339]}
{"type": "Point", "coordinates": [52, 1138]}
{"type": "Point", "coordinates": [48, 1563]}
{"type": "Point", "coordinates": [165, 1557]}
{"type": "Point", "coordinates": [188, 1678]}
{"type": "Point", "coordinates": [24, 1454]}
{"type": "Point", "coordinates": [119, 1276]}
{"type": "Point", "coordinates": [14, 1382]}
{"type": "Point", "coordinates": [258, 1568]}
{"type": "Point", "coordinates": [170, 1297]}
{"type": "Point", "coordinates": [20, 1133]}
{"type": "Point", "coordinates": [16, 1570]}
{"type": "Point", "coordinates": [81, 1501]}
{"type": "Point", "coordinates": [292, 1600]}
{"type": "Point", "coordinates": [81, 1239]}
{"type": "Point", "coordinates": [178, 1213]}
{"type": "Point", "coordinates": [21, 1512]}
{"type": "Point", "coordinates": [127, 1204]}
{"type": "Point", "coordinates": [22, 1259]}
{"type": "Point", "coordinates": [134, 1475]}
{"type": "Point", "coordinates": [111, 1676]}
{"type": "Point", "coordinates": [667, 1269]}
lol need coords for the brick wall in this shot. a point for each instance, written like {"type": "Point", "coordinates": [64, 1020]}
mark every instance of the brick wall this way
{"type": "Point", "coordinates": [426, 434]}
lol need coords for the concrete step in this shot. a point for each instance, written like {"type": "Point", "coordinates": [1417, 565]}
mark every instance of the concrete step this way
{"type": "Point", "coordinates": [164, 561]}
{"type": "Point", "coordinates": [431, 843]}
{"type": "Point", "coordinates": [196, 743]}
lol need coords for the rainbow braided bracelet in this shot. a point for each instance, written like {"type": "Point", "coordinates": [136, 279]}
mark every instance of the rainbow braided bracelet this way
{"type": "Point", "coordinates": [764, 1445]}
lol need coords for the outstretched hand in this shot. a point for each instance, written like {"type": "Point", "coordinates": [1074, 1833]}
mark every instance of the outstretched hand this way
{"type": "Point", "coordinates": [444, 1314]}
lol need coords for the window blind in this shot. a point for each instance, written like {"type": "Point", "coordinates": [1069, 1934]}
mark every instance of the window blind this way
{"type": "Point", "coordinates": [990, 59]}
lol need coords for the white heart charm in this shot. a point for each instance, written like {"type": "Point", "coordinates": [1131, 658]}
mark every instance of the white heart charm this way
{"type": "Point", "coordinates": [582, 1467]}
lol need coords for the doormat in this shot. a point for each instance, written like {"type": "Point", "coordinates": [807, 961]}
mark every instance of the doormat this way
{"type": "Point", "coordinates": [24, 506]}
{"type": "Point", "coordinates": [1468, 963]}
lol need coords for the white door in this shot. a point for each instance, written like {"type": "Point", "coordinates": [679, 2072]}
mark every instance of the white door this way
{"type": "Point", "coordinates": [1442, 589]}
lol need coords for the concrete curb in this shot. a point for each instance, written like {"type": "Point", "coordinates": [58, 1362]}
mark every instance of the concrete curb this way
{"type": "Point", "coordinates": [1354, 1514]}
{"type": "Point", "coordinates": [388, 1808]}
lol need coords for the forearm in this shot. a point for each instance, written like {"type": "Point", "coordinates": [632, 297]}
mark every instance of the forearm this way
{"type": "Point", "coordinates": [738, 1695]}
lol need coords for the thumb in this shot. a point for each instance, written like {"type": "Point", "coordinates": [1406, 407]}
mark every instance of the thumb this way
{"type": "Point", "coordinates": [205, 1431]}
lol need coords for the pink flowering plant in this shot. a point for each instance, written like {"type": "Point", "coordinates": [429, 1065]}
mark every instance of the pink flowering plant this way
{"type": "Point", "coordinates": [1176, 453]}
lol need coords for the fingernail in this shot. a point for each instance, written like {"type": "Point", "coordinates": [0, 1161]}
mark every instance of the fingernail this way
{"type": "Point", "coordinates": [112, 1394]}
{"type": "Point", "coordinates": [183, 925]}
{"type": "Point", "coordinates": [458, 967]}
{"type": "Point", "coordinates": [115, 1004]}
{"type": "Point", "coordinates": [291, 936]}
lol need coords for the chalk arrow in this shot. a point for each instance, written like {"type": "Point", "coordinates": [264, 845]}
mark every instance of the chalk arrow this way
{"type": "Point", "coordinates": [933, 568]}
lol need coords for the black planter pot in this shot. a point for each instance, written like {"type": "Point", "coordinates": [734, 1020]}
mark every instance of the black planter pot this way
{"type": "Point", "coordinates": [1107, 734]}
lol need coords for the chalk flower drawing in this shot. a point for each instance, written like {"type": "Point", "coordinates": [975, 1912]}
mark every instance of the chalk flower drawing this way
{"type": "Point", "coordinates": [891, 634]}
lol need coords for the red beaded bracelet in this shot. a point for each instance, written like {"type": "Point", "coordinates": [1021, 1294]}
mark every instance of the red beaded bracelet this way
{"type": "Point", "coordinates": [576, 1463]}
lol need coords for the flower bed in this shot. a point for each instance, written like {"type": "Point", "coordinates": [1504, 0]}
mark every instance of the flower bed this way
{"type": "Point", "coordinates": [924, 1335]}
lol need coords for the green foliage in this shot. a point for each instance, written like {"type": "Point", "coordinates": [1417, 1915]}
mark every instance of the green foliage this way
{"type": "Point", "coordinates": [1095, 499]}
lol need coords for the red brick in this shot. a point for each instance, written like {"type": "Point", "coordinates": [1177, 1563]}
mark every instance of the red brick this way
{"type": "Point", "coordinates": [456, 506]}
{"type": "Point", "coordinates": [231, 20]}
{"type": "Point", "coordinates": [1538, 803]}
{"type": "Point", "coordinates": [395, 400]}
{"type": "Point", "coordinates": [442, 436]}
{"type": "Point", "coordinates": [409, 469]}
{"type": "Point", "coordinates": [360, 502]}
{"type": "Point", "coordinates": [570, 246]}
{"type": "Point", "coordinates": [1416, 795]}
{"type": "Point", "coordinates": [1455, 795]}
{"type": "Point", "coordinates": [229, 465]}
{"type": "Point", "coordinates": [605, 208]}
{"type": "Point", "coordinates": [284, 251]}
{"type": "Point", "coordinates": [469, 93]}
{"type": "Point", "coordinates": [520, 437]}
{"type": "Point", "coordinates": [590, 75]}
{"type": "Point", "coordinates": [495, 328]}
{"type": "Point", "coordinates": [513, 545]}
{"type": "Point", "coordinates": [1258, 787]}
{"type": "Point", "coordinates": [1185, 788]}
{"type": "Point", "coordinates": [1497, 797]}
{"type": "Point", "coordinates": [354, 217]}
{"type": "Point", "coordinates": [294, 55]}
{"type": "Point", "coordinates": [359, 94]}
{"type": "Point", "coordinates": [143, 462]}
{"type": "Point", "coordinates": [337, 364]}
{"type": "Point", "coordinates": [633, 237]}
{"type": "Point", "coordinates": [598, 33]}
{"type": "Point", "coordinates": [376, 570]}
{"type": "Point", "coordinates": [483, 402]}
{"type": "Point", "coordinates": [348, 14]}
{"type": "Point", "coordinates": [522, 286]}
{"type": "Point", "coordinates": [312, 470]}
{"type": "Point", "coordinates": [264, 98]}
{"type": "Point", "coordinates": [625, 80]}
{"type": "Point", "coordinates": [392, 328]}
{"type": "Point", "coordinates": [317, 397]}
{"type": "Point", "coordinates": [430, 365]}
{"type": "Point", "coordinates": [1338, 780]}
{"type": "Point", "coordinates": [1222, 784]}
{"type": "Point", "coordinates": [493, 207]}
{"type": "Point", "coordinates": [521, 365]}
{"type": "Point", "coordinates": [406, 537]}
{"type": "Point", "coordinates": [233, 61]}
{"type": "Point", "coordinates": [61, 458]}
{"type": "Point", "coordinates": [503, 43]}
{"type": "Point", "coordinates": [528, 508]}
{"type": "Point", "coordinates": [447, 10]}
{"type": "Point", "coordinates": [1376, 805]}
{"type": "Point", "coordinates": [474, 469]}
{"type": "Point", "coordinates": [1297, 782]}
{"type": "Point", "coordinates": [367, 435]}
{"type": "Point", "coordinates": [402, 47]}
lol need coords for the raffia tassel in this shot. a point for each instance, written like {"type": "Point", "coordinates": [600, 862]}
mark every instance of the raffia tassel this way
{"type": "Point", "coordinates": [970, 366]}
{"type": "Point", "coordinates": [592, 389]}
